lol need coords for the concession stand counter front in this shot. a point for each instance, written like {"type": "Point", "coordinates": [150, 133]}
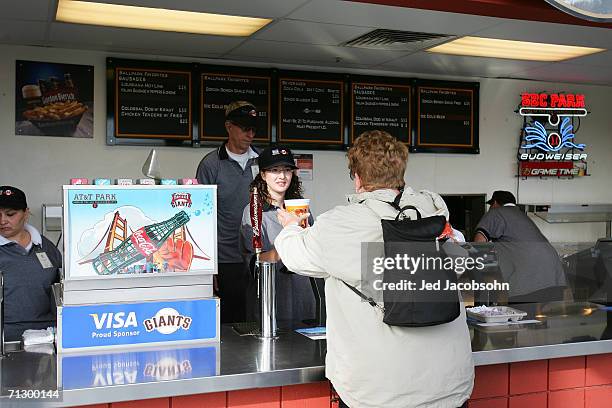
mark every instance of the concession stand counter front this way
{"type": "Point", "coordinates": [567, 355]}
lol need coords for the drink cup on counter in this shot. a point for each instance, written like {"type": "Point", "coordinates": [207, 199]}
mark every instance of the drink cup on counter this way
{"type": "Point", "coordinates": [298, 207]}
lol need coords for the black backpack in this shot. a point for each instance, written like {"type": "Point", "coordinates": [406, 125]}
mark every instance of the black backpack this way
{"type": "Point", "coordinates": [416, 238]}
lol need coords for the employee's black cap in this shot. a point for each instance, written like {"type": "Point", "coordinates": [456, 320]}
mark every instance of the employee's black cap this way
{"type": "Point", "coordinates": [244, 116]}
{"type": "Point", "coordinates": [13, 198]}
{"type": "Point", "coordinates": [502, 197]}
{"type": "Point", "coordinates": [275, 156]}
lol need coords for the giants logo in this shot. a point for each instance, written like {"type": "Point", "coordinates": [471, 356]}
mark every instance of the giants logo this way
{"type": "Point", "coordinates": [181, 200]}
{"type": "Point", "coordinates": [142, 242]}
{"type": "Point", "coordinates": [167, 321]}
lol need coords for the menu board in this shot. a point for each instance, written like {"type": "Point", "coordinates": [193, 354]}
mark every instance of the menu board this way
{"type": "Point", "coordinates": [311, 111]}
{"type": "Point", "coordinates": [152, 103]}
{"type": "Point", "coordinates": [219, 90]}
{"type": "Point", "coordinates": [379, 106]}
{"type": "Point", "coordinates": [446, 117]}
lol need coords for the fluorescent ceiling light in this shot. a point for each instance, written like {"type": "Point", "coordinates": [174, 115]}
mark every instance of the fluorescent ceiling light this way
{"type": "Point", "coordinates": [147, 18]}
{"type": "Point", "coordinates": [521, 50]}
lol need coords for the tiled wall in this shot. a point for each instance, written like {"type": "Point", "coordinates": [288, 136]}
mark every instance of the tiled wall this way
{"type": "Point", "coordinates": [575, 382]}
{"type": "Point", "coordinates": [315, 395]}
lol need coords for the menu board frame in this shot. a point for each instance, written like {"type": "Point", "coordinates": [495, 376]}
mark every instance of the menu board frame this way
{"type": "Point", "coordinates": [422, 147]}
{"type": "Point", "coordinates": [345, 82]}
{"type": "Point", "coordinates": [322, 77]}
{"type": "Point", "coordinates": [381, 81]}
{"type": "Point", "coordinates": [112, 136]}
{"type": "Point", "coordinates": [258, 73]}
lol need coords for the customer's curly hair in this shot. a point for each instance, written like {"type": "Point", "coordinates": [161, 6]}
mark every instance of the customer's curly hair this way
{"type": "Point", "coordinates": [379, 159]}
{"type": "Point", "coordinates": [294, 191]}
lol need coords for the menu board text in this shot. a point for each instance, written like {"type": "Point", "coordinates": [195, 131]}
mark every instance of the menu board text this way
{"type": "Point", "coordinates": [310, 111]}
{"type": "Point", "coordinates": [152, 103]}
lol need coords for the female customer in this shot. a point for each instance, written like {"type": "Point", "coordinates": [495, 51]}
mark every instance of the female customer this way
{"type": "Point", "coordinates": [276, 182]}
{"type": "Point", "coordinates": [30, 264]}
{"type": "Point", "coordinates": [372, 364]}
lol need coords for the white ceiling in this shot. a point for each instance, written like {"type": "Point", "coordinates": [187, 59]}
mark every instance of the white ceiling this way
{"type": "Point", "coordinates": [309, 32]}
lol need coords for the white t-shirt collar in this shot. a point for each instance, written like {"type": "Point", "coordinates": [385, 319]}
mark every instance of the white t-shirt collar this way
{"type": "Point", "coordinates": [35, 237]}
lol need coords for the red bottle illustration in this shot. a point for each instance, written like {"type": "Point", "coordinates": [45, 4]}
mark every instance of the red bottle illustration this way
{"type": "Point", "coordinates": [143, 243]}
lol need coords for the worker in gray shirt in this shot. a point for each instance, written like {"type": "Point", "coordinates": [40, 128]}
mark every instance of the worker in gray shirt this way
{"type": "Point", "coordinates": [276, 182]}
{"type": "Point", "coordinates": [527, 261]}
{"type": "Point", "coordinates": [232, 168]}
{"type": "Point", "coordinates": [30, 264]}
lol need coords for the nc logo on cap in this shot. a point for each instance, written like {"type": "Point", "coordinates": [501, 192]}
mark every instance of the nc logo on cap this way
{"type": "Point", "coordinates": [253, 113]}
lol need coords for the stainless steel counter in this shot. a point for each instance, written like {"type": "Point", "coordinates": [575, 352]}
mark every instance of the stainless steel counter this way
{"type": "Point", "coordinates": [247, 362]}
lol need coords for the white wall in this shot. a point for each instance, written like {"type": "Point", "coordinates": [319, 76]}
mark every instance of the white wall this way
{"type": "Point", "coordinates": [40, 165]}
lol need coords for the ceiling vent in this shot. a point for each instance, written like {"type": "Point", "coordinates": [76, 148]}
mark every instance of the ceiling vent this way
{"type": "Point", "coordinates": [396, 40]}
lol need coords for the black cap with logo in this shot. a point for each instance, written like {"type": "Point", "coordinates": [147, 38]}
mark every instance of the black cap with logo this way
{"type": "Point", "coordinates": [13, 198]}
{"type": "Point", "coordinates": [244, 116]}
{"type": "Point", "coordinates": [275, 156]}
{"type": "Point", "coordinates": [502, 197]}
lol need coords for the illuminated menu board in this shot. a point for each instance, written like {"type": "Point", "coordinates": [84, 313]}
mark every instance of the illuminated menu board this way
{"type": "Point", "coordinates": [380, 106]}
{"type": "Point", "coordinates": [220, 89]}
{"type": "Point", "coordinates": [311, 111]}
{"type": "Point", "coordinates": [152, 103]}
{"type": "Point", "coordinates": [447, 118]}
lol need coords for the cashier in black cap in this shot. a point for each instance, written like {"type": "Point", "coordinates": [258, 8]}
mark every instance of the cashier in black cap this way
{"type": "Point", "coordinates": [30, 264]}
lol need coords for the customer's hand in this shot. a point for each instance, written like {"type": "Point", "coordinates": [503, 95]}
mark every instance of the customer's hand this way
{"type": "Point", "coordinates": [286, 218]}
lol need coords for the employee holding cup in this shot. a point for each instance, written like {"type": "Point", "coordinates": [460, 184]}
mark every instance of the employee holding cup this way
{"type": "Point", "coordinates": [277, 184]}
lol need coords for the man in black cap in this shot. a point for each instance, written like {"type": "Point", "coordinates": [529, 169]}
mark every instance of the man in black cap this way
{"type": "Point", "coordinates": [527, 261]}
{"type": "Point", "coordinates": [30, 264]}
{"type": "Point", "coordinates": [232, 168]}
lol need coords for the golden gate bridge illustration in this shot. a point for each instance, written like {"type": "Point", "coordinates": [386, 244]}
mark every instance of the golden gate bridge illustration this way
{"type": "Point", "coordinates": [164, 247]}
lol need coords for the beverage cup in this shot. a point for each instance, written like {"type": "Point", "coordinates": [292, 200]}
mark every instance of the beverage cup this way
{"type": "Point", "coordinates": [298, 207]}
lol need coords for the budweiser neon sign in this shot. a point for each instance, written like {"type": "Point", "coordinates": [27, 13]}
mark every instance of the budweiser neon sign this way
{"type": "Point", "coordinates": [548, 146]}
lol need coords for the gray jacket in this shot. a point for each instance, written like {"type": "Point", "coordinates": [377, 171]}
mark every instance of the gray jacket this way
{"type": "Point", "coordinates": [371, 364]}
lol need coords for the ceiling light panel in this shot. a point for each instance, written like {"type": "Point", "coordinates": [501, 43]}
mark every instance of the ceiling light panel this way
{"type": "Point", "coordinates": [521, 50]}
{"type": "Point", "coordinates": [147, 18]}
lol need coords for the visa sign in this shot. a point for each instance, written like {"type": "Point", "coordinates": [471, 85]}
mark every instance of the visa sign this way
{"type": "Point", "coordinates": [86, 326]}
{"type": "Point", "coordinates": [114, 320]}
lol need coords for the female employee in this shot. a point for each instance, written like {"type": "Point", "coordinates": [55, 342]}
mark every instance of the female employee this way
{"type": "Point", "coordinates": [30, 264]}
{"type": "Point", "coordinates": [276, 182]}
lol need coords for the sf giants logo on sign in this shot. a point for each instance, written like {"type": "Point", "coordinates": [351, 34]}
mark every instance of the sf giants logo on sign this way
{"type": "Point", "coordinates": [167, 321]}
{"type": "Point", "coordinates": [181, 200]}
{"type": "Point", "coordinates": [142, 242]}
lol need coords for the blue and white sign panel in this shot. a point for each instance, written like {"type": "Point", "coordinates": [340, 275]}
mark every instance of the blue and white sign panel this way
{"type": "Point", "coordinates": [137, 367]}
{"type": "Point", "coordinates": [105, 325]}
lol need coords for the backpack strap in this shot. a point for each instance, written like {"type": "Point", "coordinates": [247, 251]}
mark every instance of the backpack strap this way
{"type": "Point", "coordinates": [371, 301]}
{"type": "Point", "coordinates": [396, 204]}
